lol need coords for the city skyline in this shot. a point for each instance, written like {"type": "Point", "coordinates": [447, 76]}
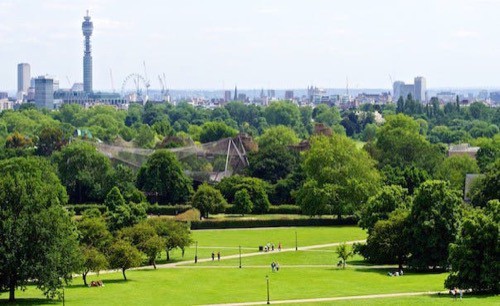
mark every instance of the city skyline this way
{"type": "Point", "coordinates": [257, 44]}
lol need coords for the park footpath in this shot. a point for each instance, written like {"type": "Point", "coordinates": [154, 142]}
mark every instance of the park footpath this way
{"type": "Point", "coordinates": [339, 298]}
{"type": "Point", "coordinates": [303, 248]}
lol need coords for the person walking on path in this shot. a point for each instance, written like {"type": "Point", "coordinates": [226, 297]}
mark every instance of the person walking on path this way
{"type": "Point", "coordinates": [213, 256]}
{"type": "Point", "coordinates": [218, 256]}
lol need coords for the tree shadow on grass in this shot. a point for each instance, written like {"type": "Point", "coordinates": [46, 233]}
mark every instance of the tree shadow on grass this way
{"type": "Point", "coordinates": [446, 296]}
{"type": "Point", "coordinates": [104, 281]}
{"type": "Point", "coordinates": [407, 272]}
{"type": "Point", "coordinates": [33, 301]}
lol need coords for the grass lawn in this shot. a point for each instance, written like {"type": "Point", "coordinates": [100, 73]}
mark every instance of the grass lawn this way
{"type": "Point", "coordinates": [223, 282]}
{"type": "Point", "coordinates": [227, 241]}
{"type": "Point", "coordinates": [309, 257]}
{"type": "Point", "coordinates": [191, 286]}
{"type": "Point", "coordinates": [420, 300]}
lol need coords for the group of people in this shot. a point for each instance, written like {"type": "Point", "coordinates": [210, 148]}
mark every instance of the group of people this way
{"type": "Point", "coordinates": [218, 256]}
{"type": "Point", "coordinates": [455, 292]}
{"type": "Point", "coordinates": [270, 247]}
{"type": "Point", "coordinates": [98, 283]}
{"type": "Point", "coordinates": [397, 273]}
{"type": "Point", "coordinates": [275, 266]}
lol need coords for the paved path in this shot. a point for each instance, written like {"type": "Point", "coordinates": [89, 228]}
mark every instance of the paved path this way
{"type": "Point", "coordinates": [304, 248]}
{"type": "Point", "coordinates": [339, 298]}
{"type": "Point", "coordinates": [201, 260]}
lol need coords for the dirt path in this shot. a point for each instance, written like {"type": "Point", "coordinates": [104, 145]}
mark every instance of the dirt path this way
{"type": "Point", "coordinates": [340, 298]}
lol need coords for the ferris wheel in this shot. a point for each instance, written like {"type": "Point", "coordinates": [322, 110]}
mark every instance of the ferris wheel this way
{"type": "Point", "coordinates": [140, 90]}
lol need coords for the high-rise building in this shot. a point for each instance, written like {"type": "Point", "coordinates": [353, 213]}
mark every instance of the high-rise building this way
{"type": "Point", "coordinates": [227, 95]}
{"type": "Point", "coordinates": [44, 92]}
{"type": "Point", "coordinates": [23, 77]}
{"type": "Point", "coordinates": [420, 89]}
{"type": "Point", "coordinates": [271, 93]}
{"type": "Point", "coordinates": [87, 29]}
{"type": "Point", "coordinates": [289, 95]}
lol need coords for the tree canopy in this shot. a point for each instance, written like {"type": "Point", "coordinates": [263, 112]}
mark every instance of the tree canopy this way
{"type": "Point", "coordinates": [162, 178]}
{"type": "Point", "coordinates": [38, 241]}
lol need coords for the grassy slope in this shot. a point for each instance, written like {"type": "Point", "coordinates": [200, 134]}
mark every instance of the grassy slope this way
{"type": "Point", "coordinates": [250, 239]}
{"type": "Point", "coordinates": [202, 285]}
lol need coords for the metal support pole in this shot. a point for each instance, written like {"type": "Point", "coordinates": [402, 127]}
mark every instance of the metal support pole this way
{"type": "Point", "coordinates": [267, 280]}
{"type": "Point", "coordinates": [296, 246]}
{"type": "Point", "coordinates": [63, 298]}
{"type": "Point", "coordinates": [240, 256]}
{"type": "Point", "coordinates": [196, 253]}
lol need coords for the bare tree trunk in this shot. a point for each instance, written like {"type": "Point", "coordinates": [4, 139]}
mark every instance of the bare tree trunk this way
{"type": "Point", "coordinates": [168, 255]}
{"type": "Point", "coordinates": [84, 276]}
{"type": "Point", "coordinates": [154, 264]}
{"type": "Point", "coordinates": [124, 276]}
{"type": "Point", "coordinates": [12, 289]}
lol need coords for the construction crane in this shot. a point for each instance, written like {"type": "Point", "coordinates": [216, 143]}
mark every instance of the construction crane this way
{"type": "Point", "coordinates": [148, 84]}
{"type": "Point", "coordinates": [163, 83]}
{"type": "Point", "coordinates": [112, 82]}
{"type": "Point", "coordinates": [69, 81]}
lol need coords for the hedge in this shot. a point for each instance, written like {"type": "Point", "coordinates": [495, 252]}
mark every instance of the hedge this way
{"type": "Point", "coordinates": [273, 209]}
{"type": "Point", "coordinates": [170, 210]}
{"type": "Point", "coordinates": [152, 209]}
{"type": "Point", "coordinates": [80, 208]}
{"type": "Point", "coordinates": [225, 223]}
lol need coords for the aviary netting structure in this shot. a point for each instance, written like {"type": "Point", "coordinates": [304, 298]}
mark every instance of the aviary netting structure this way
{"type": "Point", "coordinates": [210, 161]}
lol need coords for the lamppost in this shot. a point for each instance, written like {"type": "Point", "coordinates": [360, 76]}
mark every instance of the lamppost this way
{"type": "Point", "coordinates": [64, 302]}
{"type": "Point", "coordinates": [196, 253]}
{"type": "Point", "coordinates": [240, 256]}
{"type": "Point", "coordinates": [296, 248]}
{"type": "Point", "coordinates": [267, 280]}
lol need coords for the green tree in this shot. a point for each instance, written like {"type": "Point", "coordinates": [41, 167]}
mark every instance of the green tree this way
{"type": "Point", "coordinates": [284, 113]}
{"type": "Point", "coordinates": [93, 261]}
{"type": "Point", "coordinates": [242, 202]}
{"type": "Point", "coordinates": [475, 253]}
{"type": "Point", "coordinates": [454, 169]}
{"type": "Point", "coordinates": [50, 139]}
{"type": "Point", "coordinates": [343, 252]}
{"type": "Point", "coordinates": [216, 130]}
{"type": "Point", "coordinates": [122, 255]}
{"type": "Point", "coordinates": [144, 237]}
{"type": "Point", "coordinates": [346, 174]}
{"type": "Point", "coordinates": [84, 172]}
{"type": "Point", "coordinates": [175, 234]}
{"type": "Point", "coordinates": [400, 145]}
{"type": "Point", "coordinates": [487, 188]}
{"type": "Point", "coordinates": [208, 200]}
{"type": "Point", "coordinates": [124, 177]}
{"type": "Point", "coordinates": [38, 240]}
{"type": "Point", "coordinates": [162, 178]}
{"type": "Point", "coordinates": [257, 189]}
{"type": "Point", "coordinates": [277, 136]}
{"type": "Point", "coordinates": [387, 242]}
{"type": "Point", "coordinates": [379, 206]}
{"type": "Point", "coordinates": [145, 137]}
{"type": "Point", "coordinates": [94, 232]}
{"type": "Point", "coordinates": [114, 199]}
{"type": "Point", "coordinates": [433, 224]}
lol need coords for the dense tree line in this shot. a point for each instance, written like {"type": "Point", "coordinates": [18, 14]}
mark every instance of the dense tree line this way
{"type": "Point", "coordinates": [398, 181]}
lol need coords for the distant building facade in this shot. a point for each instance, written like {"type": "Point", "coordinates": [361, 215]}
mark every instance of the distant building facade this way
{"type": "Point", "coordinates": [418, 90]}
{"type": "Point", "coordinates": [23, 77]}
{"type": "Point", "coordinates": [420, 87]}
{"type": "Point", "coordinates": [227, 95]}
{"type": "Point", "coordinates": [44, 92]}
{"type": "Point", "coordinates": [289, 95]}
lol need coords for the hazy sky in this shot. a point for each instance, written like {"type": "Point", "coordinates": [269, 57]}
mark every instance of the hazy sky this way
{"type": "Point", "coordinates": [257, 43]}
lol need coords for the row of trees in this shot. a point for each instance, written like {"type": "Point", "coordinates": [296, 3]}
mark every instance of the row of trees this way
{"type": "Point", "coordinates": [434, 229]}
{"type": "Point", "coordinates": [41, 244]}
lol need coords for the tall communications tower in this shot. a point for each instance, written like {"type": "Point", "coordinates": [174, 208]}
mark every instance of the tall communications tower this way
{"type": "Point", "coordinates": [87, 28]}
